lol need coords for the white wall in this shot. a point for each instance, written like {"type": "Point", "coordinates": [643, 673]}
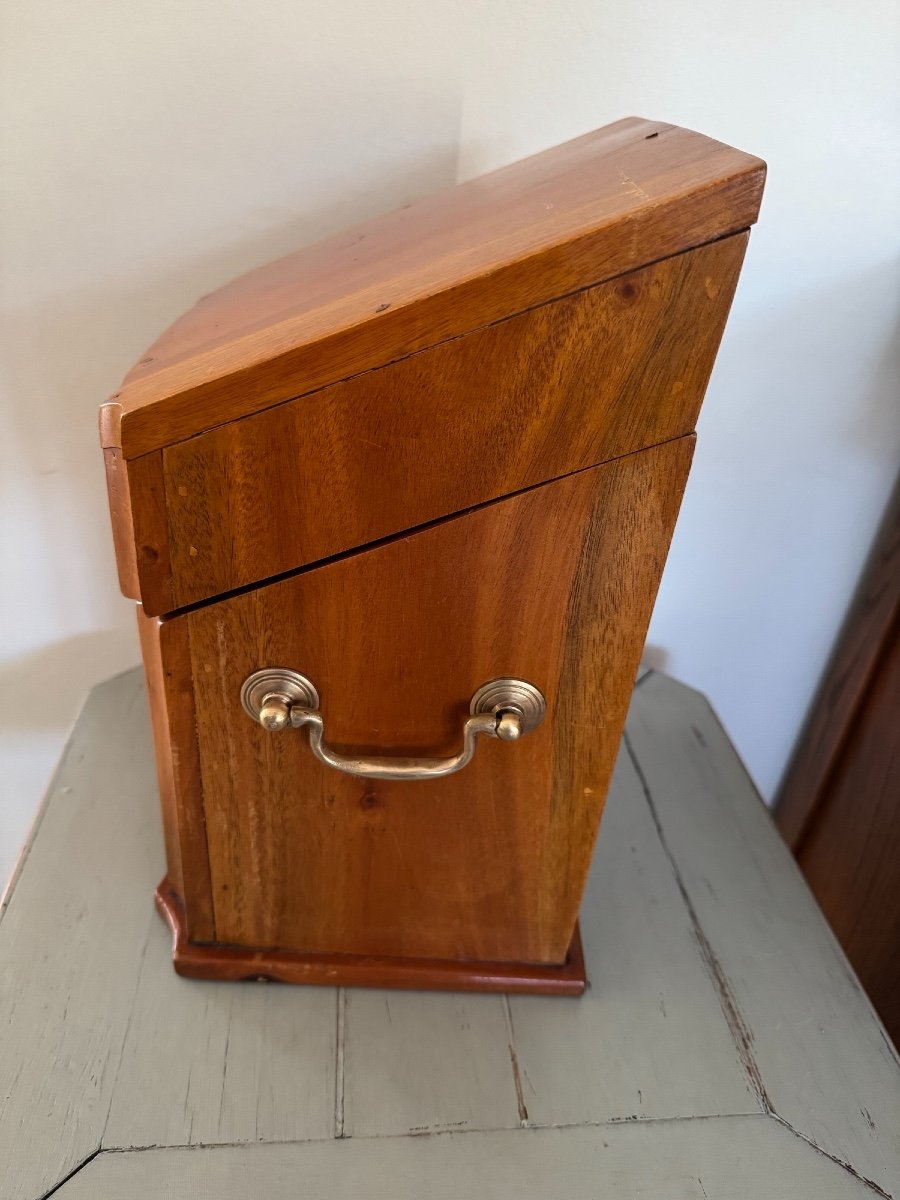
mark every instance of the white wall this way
{"type": "Point", "coordinates": [152, 150]}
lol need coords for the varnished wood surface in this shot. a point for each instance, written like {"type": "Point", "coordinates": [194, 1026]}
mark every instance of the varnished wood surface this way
{"type": "Point", "coordinates": [557, 389]}
{"type": "Point", "coordinates": [123, 531]}
{"type": "Point", "coordinates": [555, 586]}
{"type": "Point", "coordinates": [853, 666]}
{"type": "Point", "coordinates": [606, 203]}
{"type": "Point", "coordinates": [165, 649]}
{"type": "Point", "coordinates": [720, 1002]}
{"type": "Point", "coordinates": [147, 515]}
{"type": "Point", "coordinates": [851, 852]}
{"type": "Point", "coordinates": [238, 965]}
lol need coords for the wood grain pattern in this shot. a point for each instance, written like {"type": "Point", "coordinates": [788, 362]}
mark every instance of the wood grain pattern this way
{"type": "Point", "coordinates": [241, 964]}
{"type": "Point", "coordinates": [486, 866]}
{"type": "Point", "coordinates": [265, 1070]}
{"type": "Point", "coordinates": [424, 1069]}
{"type": "Point", "coordinates": [736, 1158]}
{"type": "Point", "coordinates": [412, 1067]}
{"type": "Point", "coordinates": [609, 605]}
{"type": "Point", "coordinates": [165, 649]}
{"type": "Point", "coordinates": [560, 388]}
{"type": "Point", "coordinates": [122, 520]}
{"type": "Point", "coordinates": [801, 1022]}
{"type": "Point", "coordinates": [148, 515]}
{"type": "Point", "coordinates": [103, 1049]}
{"type": "Point", "coordinates": [596, 207]}
{"type": "Point", "coordinates": [851, 854]}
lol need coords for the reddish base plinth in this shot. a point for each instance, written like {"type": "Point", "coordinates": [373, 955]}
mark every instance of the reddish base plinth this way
{"type": "Point", "coordinates": [350, 970]}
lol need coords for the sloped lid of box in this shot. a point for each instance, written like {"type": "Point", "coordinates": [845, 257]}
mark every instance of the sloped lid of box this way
{"type": "Point", "coordinates": [586, 211]}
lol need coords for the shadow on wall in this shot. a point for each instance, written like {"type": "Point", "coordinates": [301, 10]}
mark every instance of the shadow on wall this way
{"type": "Point", "coordinates": [778, 513]}
{"type": "Point", "coordinates": [27, 684]}
{"type": "Point", "coordinates": [60, 362]}
{"type": "Point", "coordinates": [655, 658]}
{"type": "Point", "coordinates": [63, 360]}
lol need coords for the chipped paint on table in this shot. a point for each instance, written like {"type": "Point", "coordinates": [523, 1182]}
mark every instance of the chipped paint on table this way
{"type": "Point", "coordinates": [724, 1048]}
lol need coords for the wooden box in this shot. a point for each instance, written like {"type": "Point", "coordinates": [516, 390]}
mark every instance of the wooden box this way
{"type": "Point", "coordinates": [395, 509]}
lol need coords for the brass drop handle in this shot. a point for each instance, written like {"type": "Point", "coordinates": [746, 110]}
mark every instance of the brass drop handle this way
{"type": "Point", "coordinates": [502, 708]}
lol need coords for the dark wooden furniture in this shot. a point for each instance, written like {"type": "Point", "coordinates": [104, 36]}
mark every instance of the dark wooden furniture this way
{"type": "Point", "coordinates": [839, 806]}
{"type": "Point", "coordinates": [404, 496]}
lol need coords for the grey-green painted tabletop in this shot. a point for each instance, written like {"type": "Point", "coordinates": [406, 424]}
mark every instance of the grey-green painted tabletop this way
{"type": "Point", "coordinates": [723, 1050]}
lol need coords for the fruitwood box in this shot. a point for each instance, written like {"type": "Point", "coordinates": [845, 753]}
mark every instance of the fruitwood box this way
{"type": "Point", "coordinates": [395, 510]}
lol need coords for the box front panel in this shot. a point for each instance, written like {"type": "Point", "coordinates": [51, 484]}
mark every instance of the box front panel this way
{"type": "Point", "coordinates": [566, 386]}
{"type": "Point", "coordinates": [555, 586]}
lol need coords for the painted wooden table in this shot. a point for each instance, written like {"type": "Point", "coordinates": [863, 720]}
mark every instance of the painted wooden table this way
{"type": "Point", "coordinates": [724, 1048]}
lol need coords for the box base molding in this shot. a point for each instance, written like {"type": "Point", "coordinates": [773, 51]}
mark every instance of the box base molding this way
{"type": "Point", "coordinates": [235, 963]}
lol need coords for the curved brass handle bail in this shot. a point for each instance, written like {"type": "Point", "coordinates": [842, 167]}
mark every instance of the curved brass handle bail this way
{"type": "Point", "coordinates": [502, 708]}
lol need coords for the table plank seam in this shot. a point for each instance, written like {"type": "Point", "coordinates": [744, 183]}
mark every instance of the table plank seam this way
{"type": "Point", "coordinates": [740, 1033]}
{"type": "Point", "coordinates": [113, 1091]}
{"type": "Point", "coordinates": [514, 1063]}
{"type": "Point", "coordinates": [837, 952]}
{"type": "Point", "coordinates": [715, 732]}
{"type": "Point", "coordinates": [701, 794]}
{"type": "Point", "coordinates": [870, 1183]}
{"type": "Point", "coordinates": [339, 1060]}
{"type": "Point", "coordinates": [448, 1131]}
{"type": "Point", "coordinates": [57, 1187]}
{"type": "Point", "coordinates": [293, 1171]}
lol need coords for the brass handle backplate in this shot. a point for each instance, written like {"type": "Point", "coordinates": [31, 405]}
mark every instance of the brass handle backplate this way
{"type": "Point", "coordinates": [502, 708]}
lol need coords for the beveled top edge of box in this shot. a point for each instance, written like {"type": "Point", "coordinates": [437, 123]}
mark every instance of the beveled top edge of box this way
{"type": "Point", "coordinates": [608, 202]}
